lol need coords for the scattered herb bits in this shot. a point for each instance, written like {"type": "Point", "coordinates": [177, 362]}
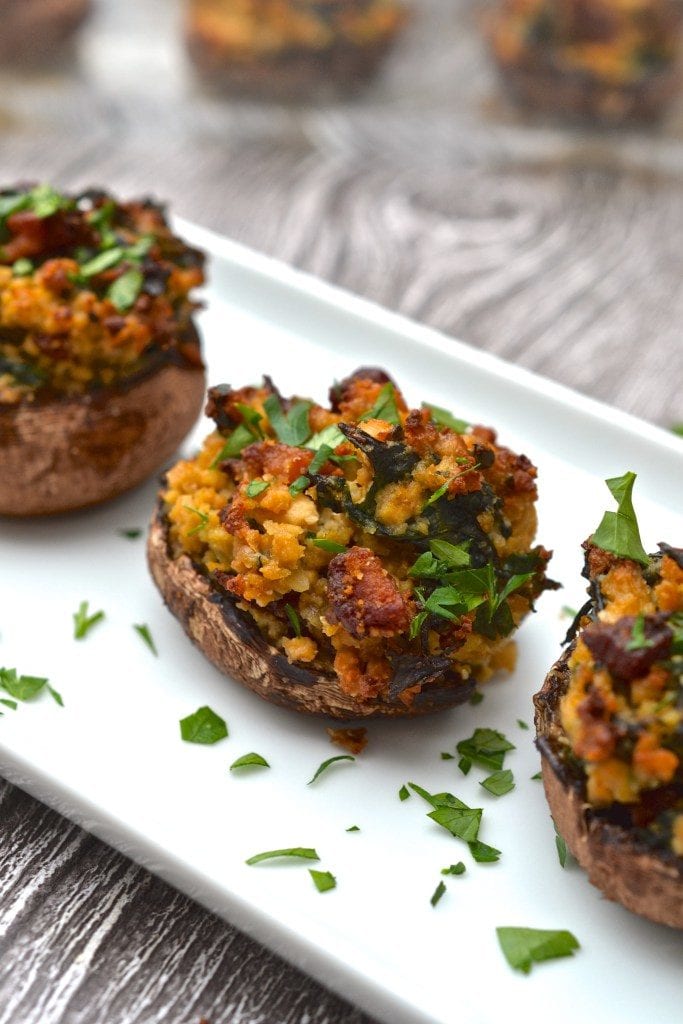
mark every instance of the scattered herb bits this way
{"type": "Point", "coordinates": [300, 852]}
{"type": "Point", "coordinates": [523, 947]}
{"type": "Point", "coordinates": [445, 756]}
{"type": "Point", "coordinates": [486, 747]}
{"type": "Point", "coordinates": [618, 532]}
{"type": "Point", "coordinates": [561, 846]}
{"type": "Point", "coordinates": [482, 853]}
{"type": "Point", "coordinates": [130, 533]}
{"type": "Point", "coordinates": [323, 880]}
{"type": "Point", "coordinates": [437, 894]}
{"type": "Point", "coordinates": [144, 633]}
{"type": "Point", "coordinates": [499, 783]}
{"type": "Point", "coordinates": [462, 822]}
{"type": "Point", "coordinates": [403, 793]}
{"type": "Point", "coordinates": [454, 869]}
{"type": "Point", "coordinates": [353, 828]}
{"type": "Point", "coordinates": [249, 761]}
{"type": "Point", "coordinates": [204, 726]}
{"type": "Point", "coordinates": [83, 622]}
{"type": "Point", "coordinates": [326, 764]}
{"type": "Point", "coordinates": [522, 724]}
{"type": "Point", "coordinates": [21, 688]}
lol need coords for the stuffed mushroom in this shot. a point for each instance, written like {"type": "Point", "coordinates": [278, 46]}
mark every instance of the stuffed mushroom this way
{"type": "Point", "coordinates": [101, 374]}
{"type": "Point", "coordinates": [610, 722]}
{"type": "Point", "coordinates": [361, 559]}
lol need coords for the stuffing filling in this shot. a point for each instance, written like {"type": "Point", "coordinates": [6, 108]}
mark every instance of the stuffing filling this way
{"type": "Point", "coordinates": [615, 42]}
{"type": "Point", "coordinates": [391, 548]}
{"type": "Point", "coordinates": [91, 291]}
{"type": "Point", "coordinates": [623, 711]}
{"type": "Point", "coordinates": [268, 27]}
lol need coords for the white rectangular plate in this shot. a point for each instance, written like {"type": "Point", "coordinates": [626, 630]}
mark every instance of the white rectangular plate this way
{"type": "Point", "coordinates": [113, 760]}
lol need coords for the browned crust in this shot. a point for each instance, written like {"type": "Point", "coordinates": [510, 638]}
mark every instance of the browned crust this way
{"type": "Point", "coordinates": [72, 453]}
{"type": "Point", "coordinates": [646, 881]}
{"type": "Point", "coordinates": [32, 28]}
{"type": "Point", "coordinates": [580, 97]}
{"type": "Point", "coordinates": [296, 73]}
{"type": "Point", "coordinates": [231, 640]}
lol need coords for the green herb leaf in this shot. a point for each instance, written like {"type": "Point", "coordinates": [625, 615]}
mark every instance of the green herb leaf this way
{"type": "Point", "coordinates": [538, 775]}
{"type": "Point", "coordinates": [256, 487]}
{"type": "Point", "coordinates": [323, 880]}
{"type": "Point", "coordinates": [249, 761]}
{"type": "Point", "coordinates": [461, 822]}
{"type": "Point", "coordinates": [143, 632]}
{"type": "Point", "coordinates": [476, 698]}
{"type": "Point", "coordinates": [251, 419]}
{"type": "Point", "coordinates": [353, 828]}
{"type": "Point", "coordinates": [294, 619]}
{"type": "Point", "coordinates": [439, 493]}
{"type": "Point", "coordinates": [524, 946]}
{"type": "Point", "coordinates": [203, 520]}
{"type": "Point", "coordinates": [12, 204]}
{"type": "Point", "coordinates": [56, 696]}
{"type": "Point", "coordinates": [22, 268]}
{"type": "Point", "coordinates": [203, 726]}
{"type": "Point", "coordinates": [326, 764]}
{"type": "Point", "coordinates": [130, 534]}
{"type": "Point", "coordinates": [328, 545]}
{"type": "Point", "coordinates": [9, 703]}
{"type": "Point", "coordinates": [330, 437]}
{"type": "Point", "coordinates": [445, 756]}
{"type": "Point", "coordinates": [499, 783]}
{"type": "Point", "coordinates": [464, 764]}
{"type": "Point", "coordinates": [83, 622]}
{"type": "Point", "coordinates": [239, 439]}
{"type": "Point", "coordinates": [385, 407]}
{"type": "Point", "coordinates": [45, 201]}
{"type": "Point", "coordinates": [561, 846]}
{"type": "Point", "coordinates": [618, 532]}
{"type": "Point", "coordinates": [304, 852]}
{"type": "Point", "coordinates": [569, 613]}
{"type": "Point", "coordinates": [103, 261]}
{"type": "Point", "coordinates": [486, 747]}
{"type": "Point", "coordinates": [677, 429]}
{"type": "Point", "coordinates": [403, 793]}
{"type": "Point", "coordinates": [453, 556]}
{"type": "Point", "coordinates": [21, 687]}
{"type": "Point", "coordinates": [124, 291]}
{"type": "Point", "coordinates": [293, 428]}
{"type": "Point", "coordinates": [454, 869]}
{"type": "Point", "coordinates": [638, 641]}
{"type": "Point", "coordinates": [437, 894]}
{"type": "Point", "coordinates": [522, 724]}
{"type": "Point", "coordinates": [299, 485]}
{"type": "Point", "coordinates": [482, 853]}
{"type": "Point", "coordinates": [320, 458]}
{"type": "Point", "coordinates": [443, 418]}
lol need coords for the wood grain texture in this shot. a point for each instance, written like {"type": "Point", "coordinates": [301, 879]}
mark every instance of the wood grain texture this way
{"type": "Point", "coordinates": [556, 249]}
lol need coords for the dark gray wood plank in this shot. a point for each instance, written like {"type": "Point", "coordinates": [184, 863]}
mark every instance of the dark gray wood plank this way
{"type": "Point", "coordinates": [556, 249]}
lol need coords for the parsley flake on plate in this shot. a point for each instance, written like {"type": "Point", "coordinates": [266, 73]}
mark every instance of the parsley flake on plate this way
{"type": "Point", "coordinates": [403, 793]}
{"type": "Point", "coordinates": [203, 726]}
{"type": "Point", "coordinates": [454, 869]}
{"type": "Point", "coordinates": [130, 533]}
{"type": "Point", "coordinates": [523, 947]}
{"type": "Point", "coordinates": [21, 687]}
{"type": "Point", "coordinates": [142, 629]}
{"type": "Point", "coordinates": [499, 783]}
{"type": "Point", "coordinates": [482, 853]}
{"type": "Point", "coordinates": [249, 761]}
{"type": "Point", "coordinates": [486, 747]}
{"type": "Point", "coordinates": [323, 880]}
{"type": "Point", "coordinates": [83, 622]}
{"type": "Point", "coordinates": [302, 852]}
{"type": "Point", "coordinates": [352, 828]}
{"type": "Point", "coordinates": [326, 764]}
{"type": "Point", "coordinates": [437, 894]}
{"type": "Point", "coordinates": [618, 531]}
{"type": "Point", "coordinates": [256, 487]}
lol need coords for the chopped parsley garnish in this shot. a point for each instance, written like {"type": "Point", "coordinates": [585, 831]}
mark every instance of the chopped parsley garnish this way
{"type": "Point", "coordinates": [561, 846]}
{"type": "Point", "coordinates": [249, 761]}
{"type": "Point", "coordinates": [523, 947]}
{"type": "Point", "coordinates": [45, 201]}
{"type": "Point", "coordinates": [103, 261]}
{"type": "Point", "coordinates": [569, 613]}
{"type": "Point", "coordinates": [486, 747]}
{"type": "Point", "coordinates": [677, 428]}
{"type": "Point", "coordinates": [482, 853]}
{"type": "Point", "coordinates": [329, 437]}
{"type": "Point", "coordinates": [464, 764]}
{"type": "Point", "coordinates": [56, 696]}
{"type": "Point", "coordinates": [9, 703]}
{"type": "Point", "coordinates": [445, 756]}
{"type": "Point", "coordinates": [22, 268]}
{"type": "Point", "coordinates": [299, 485]}
{"type": "Point", "coordinates": [403, 793]}
{"type": "Point", "coordinates": [320, 458]}
{"type": "Point", "coordinates": [323, 880]}
{"type": "Point", "coordinates": [292, 428]}
{"type": "Point", "coordinates": [454, 869]}
{"type": "Point", "coordinates": [537, 776]}
{"type": "Point", "coordinates": [476, 698]}
{"type": "Point", "coordinates": [462, 822]}
{"type": "Point", "coordinates": [203, 726]}
{"type": "Point", "coordinates": [437, 894]}
{"type": "Point", "coordinates": [203, 520]}
{"type": "Point", "coordinates": [522, 724]}
{"type": "Point", "coordinates": [443, 418]}
{"type": "Point", "coordinates": [638, 639]}
{"type": "Point", "coordinates": [239, 439]}
{"type": "Point", "coordinates": [326, 764]}
{"type": "Point", "coordinates": [303, 852]}
{"type": "Point", "coordinates": [24, 687]}
{"type": "Point", "coordinates": [328, 545]}
{"type": "Point", "coordinates": [256, 487]}
{"type": "Point", "coordinates": [499, 783]}
{"type": "Point", "coordinates": [83, 622]}
{"type": "Point", "coordinates": [124, 291]}
{"type": "Point", "coordinates": [352, 828]}
{"type": "Point", "coordinates": [438, 493]}
{"type": "Point", "coordinates": [294, 619]}
{"type": "Point", "coordinates": [618, 532]}
{"type": "Point", "coordinates": [142, 629]}
{"type": "Point", "coordinates": [385, 407]}
{"type": "Point", "coordinates": [130, 534]}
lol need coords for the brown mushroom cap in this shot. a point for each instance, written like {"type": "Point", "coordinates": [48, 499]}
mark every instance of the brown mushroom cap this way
{"type": "Point", "coordinates": [65, 454]}
{"type": "Point", "coordinates": [231, 640]}
{"type": "Point", "coordinates": [649, 882]}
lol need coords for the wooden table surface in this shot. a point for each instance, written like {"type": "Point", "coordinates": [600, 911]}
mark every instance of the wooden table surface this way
{"type": "Point", "coordinates": [554, 248]}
